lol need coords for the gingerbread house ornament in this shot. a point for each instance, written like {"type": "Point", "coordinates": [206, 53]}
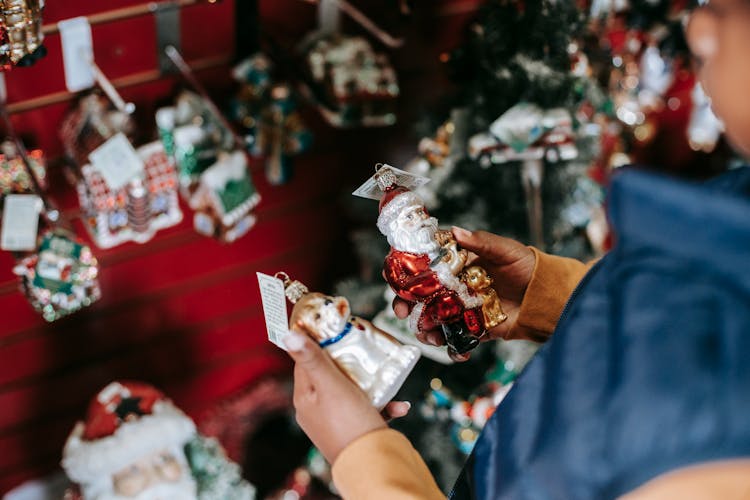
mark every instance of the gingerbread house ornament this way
{"type": "Point", "coordinates": [136, 210]}
{"type": "Point", "coordinates": [224, 199]}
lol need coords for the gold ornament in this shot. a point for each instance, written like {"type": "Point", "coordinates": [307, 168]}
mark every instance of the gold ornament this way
{"type": "Point", "coordinates": [22, 23]}
{"type": "Point", "coordinates": [478, 280]}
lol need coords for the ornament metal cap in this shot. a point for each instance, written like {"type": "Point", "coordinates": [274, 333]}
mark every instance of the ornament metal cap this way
{"type": "Point", "coordinates": [293, 289]}
{"type": "Point", "coordinates": [385, 177]}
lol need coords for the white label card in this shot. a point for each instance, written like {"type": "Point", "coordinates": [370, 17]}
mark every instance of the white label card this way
{"type": "Point", "coordinates": [20, 222]}
{"type": "Point", "coordinates": [78, 52]}
{"type": "Point", "coordinates": [274, 308]}
{"type": "Point", "coordinates": [372, 191]}
{"type": "Point", "coordinates": [117, 161]}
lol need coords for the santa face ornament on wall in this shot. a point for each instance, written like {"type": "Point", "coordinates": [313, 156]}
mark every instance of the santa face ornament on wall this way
{"type": "Point", "coordinates": [136, 444]}
{"type": "Point", "coordinates": [424, 265]}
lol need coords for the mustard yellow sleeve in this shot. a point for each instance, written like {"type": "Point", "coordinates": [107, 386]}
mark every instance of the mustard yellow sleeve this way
{"type": "Point", "coordinates": [553, 280]}
{"type": "Point", "coordinates": [728, 480]}
{"type": "Point", "coordinates": [383, 464]}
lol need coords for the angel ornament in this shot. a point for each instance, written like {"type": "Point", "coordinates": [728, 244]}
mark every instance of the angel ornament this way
{"type": "Point", "coordinates": [371, 358]}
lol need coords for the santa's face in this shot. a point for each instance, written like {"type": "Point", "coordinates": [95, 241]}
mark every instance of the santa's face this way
{"type": "Point", "coordinates": [158, 476]}
{"type": "Point", "coordinates": [414, 231]}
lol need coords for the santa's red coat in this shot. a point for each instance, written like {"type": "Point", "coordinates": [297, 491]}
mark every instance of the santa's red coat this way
{"type": "Point", "coordinates": [411, 277]}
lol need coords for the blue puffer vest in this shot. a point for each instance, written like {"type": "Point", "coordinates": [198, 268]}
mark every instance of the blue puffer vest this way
{"type": "Point", "coordinates": [649, 367]}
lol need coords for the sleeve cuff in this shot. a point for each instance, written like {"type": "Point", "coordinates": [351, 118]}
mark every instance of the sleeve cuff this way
{"type": "Point", "coordinates": [383, 464]}
{"type": "Point", "coordinates": [552, 282]}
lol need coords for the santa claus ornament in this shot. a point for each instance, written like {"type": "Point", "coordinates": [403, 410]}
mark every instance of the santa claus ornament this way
{"type": "Point", "coordinates": [424, 265]}
{"type": "Point", "coordinates": [135, 443]}
{"type": "Point", "coordinates": [371, 358]}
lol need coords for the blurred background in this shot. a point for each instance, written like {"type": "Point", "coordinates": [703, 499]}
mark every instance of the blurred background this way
{"type": "Point", "coordinates": [519, 112]}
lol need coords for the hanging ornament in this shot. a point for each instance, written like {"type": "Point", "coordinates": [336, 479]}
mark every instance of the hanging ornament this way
{"type": "Point", "coordinates": [61, 276]}
{"type": "Point", "coordinates": [656, 76]}
{"type": "Point", "coordinates": [359, 85]}
{"type": "Point", "coordinates": [372, 359]}
{"type": "Point", "coordinates": [438, 155]}
{"type": "Point", "coordinates": [89, 124]}
{"type": "Point", "coordinates": [21, 33]}
{"type": "Point", "coordinates": [135, 209]}
{"type": "Point", "coordinates": [704, 128]}
{"type": "Point", "coordinates": [311, 481]}
{"type": "Point", "coordinates": [602, 8]}
{"type": "Point", "coordinates": [280, 134]}
{"type": "Point", "coordinates": [13, 175]}
{"type": "Point", "coordinates": [267, 113]}
{"type": "Point", "coordinates": [523, 132]}
{"type": "Point", "coordinates": [224, 198]}
{"type": "Point", "coordinates": [192, 136]}
{"type": "Point", "coordinates": [254, 77]}
{"type": "Point", "coordinates": [136, 443]}
{"type": "Point", "coordinates": [468, 416]}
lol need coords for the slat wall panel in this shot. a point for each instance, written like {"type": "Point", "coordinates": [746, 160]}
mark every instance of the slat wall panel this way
{"type": "Point", "coordinates": [130, 328]}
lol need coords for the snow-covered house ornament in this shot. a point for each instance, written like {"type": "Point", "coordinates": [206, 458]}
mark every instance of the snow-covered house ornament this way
{"type": "Point", "coordinates": [136, 210]}
{"type": "Point", "coordinates": [526, 132]}
{"type": "Point", "coordinates": [360, 83]}
{"type": "Point", "coordinates": [224, 199]}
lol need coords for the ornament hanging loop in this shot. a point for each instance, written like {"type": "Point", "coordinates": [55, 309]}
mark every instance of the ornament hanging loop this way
{"type": "Point", "coordinates": [283, 277]}
{"type": "Point", "coordinates": [293, 289]}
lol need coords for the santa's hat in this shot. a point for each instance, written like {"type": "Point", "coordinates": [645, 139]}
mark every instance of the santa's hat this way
{"type": "Point", "coordinates": [125, 421]}
{"type": "Point", "coordinates": [394, 200]}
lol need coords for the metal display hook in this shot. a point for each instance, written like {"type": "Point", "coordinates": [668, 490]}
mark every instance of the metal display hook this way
{"type": "Point", "coordinates": [50, 213]}
{"type": "Point", "coordinates": [188, 74]}
{"type": "Point", "coordinates": [361, 18]}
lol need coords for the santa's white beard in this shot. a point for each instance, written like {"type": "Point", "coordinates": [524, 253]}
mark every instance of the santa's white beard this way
{"type": "Point", "coordinates": [420, 241]}
{"type": "Point", "coordinates": [184, 489]}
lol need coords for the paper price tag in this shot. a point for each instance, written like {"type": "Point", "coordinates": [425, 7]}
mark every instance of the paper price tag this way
{"type": "Point", "coordinates": [274, 308]}
{"type": "Point", "coordinates": [372, 191]}
{"type": "Point", "coordinates": [78, 51]}
{"type": "Point", "coordinates": [20, 222]}
{"type": "Point", "coordinates": [117, 161]}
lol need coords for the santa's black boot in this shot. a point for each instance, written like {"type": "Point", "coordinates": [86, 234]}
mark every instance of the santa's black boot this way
{"type": "Point", "coordinates": [458, 338]}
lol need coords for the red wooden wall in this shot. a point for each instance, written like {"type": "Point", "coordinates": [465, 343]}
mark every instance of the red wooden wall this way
{"type": "Point", "coordinates": [183, 311]}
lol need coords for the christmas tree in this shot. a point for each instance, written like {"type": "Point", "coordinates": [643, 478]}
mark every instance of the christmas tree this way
{"type": "Point", "coordinates": [517, 60]}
